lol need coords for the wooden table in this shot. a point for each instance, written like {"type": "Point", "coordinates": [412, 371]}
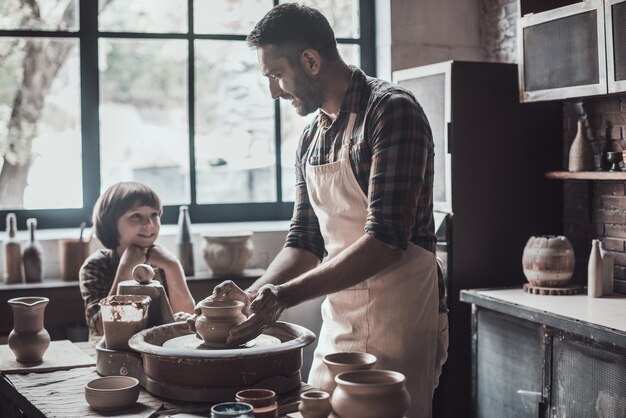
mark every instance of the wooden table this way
{"type": "Point", "coordinates": [61, 394]}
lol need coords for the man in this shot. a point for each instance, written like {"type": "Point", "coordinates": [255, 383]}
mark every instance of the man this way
{"type": "Point", "coordinates": [363, 205]}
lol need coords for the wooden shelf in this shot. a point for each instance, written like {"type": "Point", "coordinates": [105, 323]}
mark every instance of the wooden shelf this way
{"type": "Point", "coordinates": [587, 175]}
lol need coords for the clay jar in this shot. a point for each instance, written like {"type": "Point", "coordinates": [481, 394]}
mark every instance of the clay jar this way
{"type": "Point", "coordinates": [122, 317]}
{"type": "Point", "coordinates": [548, 261]}
{"type": "Point", "coordinates": [315, 404]}
{"type": "Point", "coordinates": [370, 394]}
{"type": "Point", "coordinates": [227, 254]}
{"type": "Point", "coordinates": [345, 362]}
{"type": "Point", "coordinates": [216, 320]}
{"type": "Point", "coordinates": [28, 339]}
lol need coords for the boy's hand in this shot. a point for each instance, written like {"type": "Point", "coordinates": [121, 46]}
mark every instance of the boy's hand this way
{"type": "Point", "coordinates": [132, 256]}
{"type": "Point", "coordinates": [160, 257]}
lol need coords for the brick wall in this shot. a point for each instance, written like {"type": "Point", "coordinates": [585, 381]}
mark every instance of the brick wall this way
{"type": "Point", "coordinates": [591, 209]}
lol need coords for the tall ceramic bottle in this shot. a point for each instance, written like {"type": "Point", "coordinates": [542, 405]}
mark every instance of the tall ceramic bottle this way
{"type": "Point", "coordinates": [12, 253]}
{"type": "Point", "coordinates": [32, 257]}
{"type": "Point", "coordinates": [607, 271]}
{"type": "Point", "coordinates": [594, 271]}
{"type": "Point", "coordinates": [580, 152]}
{"type": "Point", "coordinates": [183, 241]}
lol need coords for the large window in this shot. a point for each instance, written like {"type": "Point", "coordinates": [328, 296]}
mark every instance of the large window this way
{"type": "Point", "coordinates": [165, 92]}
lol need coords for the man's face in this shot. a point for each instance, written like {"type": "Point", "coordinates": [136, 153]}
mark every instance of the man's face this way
{"type": "Point", "coordinates": [289, 83]}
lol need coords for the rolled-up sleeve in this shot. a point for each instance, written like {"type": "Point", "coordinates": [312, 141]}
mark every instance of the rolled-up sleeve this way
{"type": "Point", "coordinates": [94, 286]}
{"type": "Point", "coordinates": [304, 231]}
{"type": "Point", "coordinates": [400, 140]}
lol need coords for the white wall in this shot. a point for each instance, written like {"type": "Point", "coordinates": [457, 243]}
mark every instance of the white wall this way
{"type": "Point", "coordinates": [429, 31]}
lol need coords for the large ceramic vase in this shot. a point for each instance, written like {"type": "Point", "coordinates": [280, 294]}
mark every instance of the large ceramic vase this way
{"type": "Point", "coordinates": [28, 339]}
{"type": "Point", "coordinates": [548, 261]}
{"type": "Point", "coordinates": [217, 319]}
{"type": "Point", "coordinates": [227, 255]}
{"type": "Point", "coordinates": [370, 394]}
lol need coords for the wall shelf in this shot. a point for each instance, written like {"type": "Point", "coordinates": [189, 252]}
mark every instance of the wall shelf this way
{"type": "Point", "coordinates": [587, 175]}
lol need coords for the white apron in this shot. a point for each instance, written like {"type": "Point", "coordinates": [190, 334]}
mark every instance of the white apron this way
{"type": "Point", "coordinates": [393, 314]}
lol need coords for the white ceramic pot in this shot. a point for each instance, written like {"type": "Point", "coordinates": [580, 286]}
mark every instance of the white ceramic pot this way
{"type": "Point", "coordinates": [227, 255]}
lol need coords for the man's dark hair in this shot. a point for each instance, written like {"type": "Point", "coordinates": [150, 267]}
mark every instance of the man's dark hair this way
{"type": "Point", "coordinates": [296, 27]}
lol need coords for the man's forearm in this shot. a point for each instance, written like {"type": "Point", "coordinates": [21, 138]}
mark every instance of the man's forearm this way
{"type": "Point", "coordinates": [290, 262]}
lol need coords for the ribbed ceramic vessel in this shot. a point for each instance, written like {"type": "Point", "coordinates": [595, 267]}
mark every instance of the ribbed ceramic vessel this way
{"type": "Point", "coordinates": [28, 339]}
{"type": "Point", "coordinates": [370, 394]}
{"type": "Point", "coordinates": [548, 261]}
{"type": "Point", "coordinates": [217, 319]}
{"type": "Point", "coordinates": [345, 362]}
{"type": "Point", "coordinates": [315, 404]}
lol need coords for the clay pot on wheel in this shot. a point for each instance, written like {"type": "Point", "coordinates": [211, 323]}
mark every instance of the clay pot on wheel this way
{"type": "Point", "coordinates": [216, 320]}
{"type": "Point", "coordinates": [548, 261]}
{"type": "Point", "coordinates": [28, 339]}
{"type": "Point", "coordinates": [370, 394]}
{"type": "Point", "coordinates": [227, 254]}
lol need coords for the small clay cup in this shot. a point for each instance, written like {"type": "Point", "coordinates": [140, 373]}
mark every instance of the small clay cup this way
{"type": "Point", "coordinates": [112, 392]}
{"type": "Point", "coordinates": [345, 362]}
{"type": "Point", "coordinates": [315, 404]}
{"type": "Point", "coordinates": [72, 255]}
{"type": "Point", "coordinates": [262, 400]}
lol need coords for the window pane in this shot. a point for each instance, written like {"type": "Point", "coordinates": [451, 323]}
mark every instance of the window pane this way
{"type": "Point", "coordinates": [40, 124]}
{"type": "Point", "coordinates": [343, 15]}
{"type": "Point", "coordinates": [39, 15]}
{"type": "Point", "coordinates": [292, 125]}
{"type": "Point", "coordinates": [144, 133]}
{"type": "Point", "coordinates": [234, 132]}
{"type": "Point", "coordinates": [232, 17]}
{"type": "Point", "coordinates": [143, 16]}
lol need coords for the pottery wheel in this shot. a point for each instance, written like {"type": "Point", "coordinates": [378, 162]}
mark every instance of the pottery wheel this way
{"type": "Point", "coordinates": [192, 342]}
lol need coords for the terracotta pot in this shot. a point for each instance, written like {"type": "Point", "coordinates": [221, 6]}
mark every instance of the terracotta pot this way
{"type": "Point", "coordinates": [548, 261]}
{"type": "Point", "coordinates": [72, 255]}
{"type": "Point", "coordinates": [262, 400]}
{"type": "Point", "coordinates": [227, 254]}
{"type": "Point", "coordinates": [370, 394]}
{"type": "Point", "coordinates": [344, 362]}
{"type": "Point", "coordinates": [216, 320]}
{"type": "Point", "coordinates": [315, 404]}
{"type": "Point", "coordinates": [28, 339]}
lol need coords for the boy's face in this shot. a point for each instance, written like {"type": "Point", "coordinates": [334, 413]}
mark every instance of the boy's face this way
{"type": "Point", "coordinates": [139, 226]}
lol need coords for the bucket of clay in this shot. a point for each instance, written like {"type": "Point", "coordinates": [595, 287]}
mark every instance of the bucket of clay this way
{"type": "Point", "coordinates": [122, 317]}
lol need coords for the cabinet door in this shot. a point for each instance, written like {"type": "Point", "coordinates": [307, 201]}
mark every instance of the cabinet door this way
{"type": "Point", "coordinates": [509, 366]}
{"type": "Point", "coordinates": [588, 379]}
{"type": "Point", "coordinates": [615, 11]}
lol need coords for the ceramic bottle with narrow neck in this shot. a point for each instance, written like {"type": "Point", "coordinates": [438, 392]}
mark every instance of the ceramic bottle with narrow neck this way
{"type": "Point", "coordinates": [32, 257]}
{"type": "Point", "coordinates": [184, 243]}
{"type": "Point", "coordinates": [12, 253]}
{"type": "Point", "coordinates": [594, 271]}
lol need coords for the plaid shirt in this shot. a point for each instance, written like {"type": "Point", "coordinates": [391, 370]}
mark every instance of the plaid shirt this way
{"type": "Point", "coordinates": [392, 157]}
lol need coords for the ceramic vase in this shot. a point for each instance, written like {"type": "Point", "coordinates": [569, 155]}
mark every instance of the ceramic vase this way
{"type": "Point", "coordinates": [12, 253]}
{"type": "Point", "coordinates": [580, 152]}
{"type": "Point", "coordinates": [315, 404]}
{"type": "Point", "coordinates": [216, 320]}
{"type": "Point", "coordinates": [607, 271]}
{"type": "Point", "coordinates": [594, 271]}
{"type": "Point", "coordinates": [227, 255]}
{"type": "Point", "coordinates": [32, 257]}
{"type": "Point", "coordinates": [344, 362]}
{"type": "Point", "coordinates": [370, 394]}
{"type": "Point", "coordinates": [548, 261]}
{"type": "Point", "coordinates": [184, 243]}
{"type": "Point", "coordinates": [28, 339]}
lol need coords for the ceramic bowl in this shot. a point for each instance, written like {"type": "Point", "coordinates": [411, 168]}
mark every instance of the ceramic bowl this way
{"type": "Point", "coordinates": [112, 392]}
{"type": "Point", "coordinates": [262, 400]}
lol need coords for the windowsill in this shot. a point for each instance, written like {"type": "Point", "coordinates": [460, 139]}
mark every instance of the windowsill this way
{"type": "Point", "coordinates": [167, 230]}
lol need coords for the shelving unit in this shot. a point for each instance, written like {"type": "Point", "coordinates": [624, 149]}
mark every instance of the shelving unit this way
{"type": "Point", "coordinates": [587, 175]}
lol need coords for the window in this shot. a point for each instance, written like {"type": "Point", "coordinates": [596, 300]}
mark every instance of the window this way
{"type": "Point", "coordinates": [165, 92]}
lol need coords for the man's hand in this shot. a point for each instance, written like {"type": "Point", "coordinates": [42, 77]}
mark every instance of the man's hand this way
{"type": "Point", "coordinates": [266, 309]}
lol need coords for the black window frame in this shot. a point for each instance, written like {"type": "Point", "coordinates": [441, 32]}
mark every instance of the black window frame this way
{"type": "Point", "coordinates": [88, 36]}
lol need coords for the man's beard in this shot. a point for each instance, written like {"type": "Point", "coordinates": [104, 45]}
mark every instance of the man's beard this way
{"type": "Point", "coordinates": [307, 93]}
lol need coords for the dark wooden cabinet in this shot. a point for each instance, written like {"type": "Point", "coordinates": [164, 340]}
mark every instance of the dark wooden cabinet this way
{"type": "Point", "coordinates": [531, 363]}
